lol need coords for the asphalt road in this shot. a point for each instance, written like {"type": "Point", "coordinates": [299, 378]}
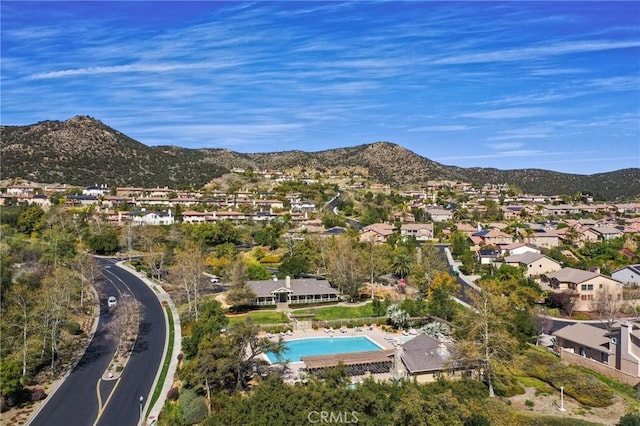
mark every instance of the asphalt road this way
{"type": "Point", "coordinates": [84, 399]}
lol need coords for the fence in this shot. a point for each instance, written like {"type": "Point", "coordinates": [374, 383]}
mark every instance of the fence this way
{"type": "Point", "coordinates": [598, 367]}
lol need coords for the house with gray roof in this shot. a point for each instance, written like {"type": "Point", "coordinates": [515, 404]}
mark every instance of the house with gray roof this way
{"type": "Point", "coordinates": [630, 274]}
{"type": "Point", "coordinates": [618, 348]}
{"type": "Point", "coordinates": [293, 291]}
{"type": "Point", "coordinates": [587, 286]}
{"type": "Point", "coordinates": [426, 359]}
{"type": "Point", "coordinates": [585, 340]}
{"type": "Point", "coordinates": [535, 264]}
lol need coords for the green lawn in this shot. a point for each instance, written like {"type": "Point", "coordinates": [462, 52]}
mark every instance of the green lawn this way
{"type": "Point", "coordinates": [260, 317]}
{"type": "Point", "coordinates": [337, 312]}
{"type": "Point", "coordinates": [167, 360]}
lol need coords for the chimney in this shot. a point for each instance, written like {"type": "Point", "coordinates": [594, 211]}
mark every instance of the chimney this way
{"type": "Point", "coordinates": [288, 282]}
{"type": "Point", "coordinates": [629, 361]}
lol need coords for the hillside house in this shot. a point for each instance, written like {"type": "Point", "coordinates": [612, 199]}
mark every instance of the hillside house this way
{"type": "Point", "coordinates": [377, 233]}
{"type": "Point", "coordinates": [145, 217]}
{"type": "Point", "coordinates": [535, 264]}
{"type": "Point", "coordinates": [517, 248]}
{"type": "Point", "coordinates": [586, 285]}
{"type": "Point", "coordinates": [618, 348]}
{"type": "Point", "coordinates": [420, 231]}
{"type": "Point", "coordinates": [629, 275]}
{"type": "Point", "coordinates": [491, 237]}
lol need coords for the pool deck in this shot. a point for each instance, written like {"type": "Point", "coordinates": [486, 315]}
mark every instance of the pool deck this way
{"type": "Point", "coordinates": [385, 340]}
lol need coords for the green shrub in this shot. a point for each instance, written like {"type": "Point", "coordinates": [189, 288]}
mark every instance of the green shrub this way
{"type": "Point", "coordinates": [193, 406]}
{"type": "Point", "coordinates": [585, 388]}
{"type": "Point", "coordinates": [579, 316]}
{"type": "Point", "coordinates": [529, 403]}
{"type": "Point", "coordinates": [271, 258]}
{"type": "Point", "coordinates": [630, 419]}
{"type": "Point", "coordinates": [73, 328]}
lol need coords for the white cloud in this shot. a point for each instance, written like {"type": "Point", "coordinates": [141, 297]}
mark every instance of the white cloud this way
{"type": "Point", "coordinates": [536, 52]}
{"type": "Point", "coordinates": [506, 145]}
{"type": "Point", "coordinates": [504, 113]}
{"type": "Point", "coordinates": [441, 128]}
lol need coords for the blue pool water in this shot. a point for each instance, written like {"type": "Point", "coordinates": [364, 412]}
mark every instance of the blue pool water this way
{"type": "Point", "coordinates": [325, 346]}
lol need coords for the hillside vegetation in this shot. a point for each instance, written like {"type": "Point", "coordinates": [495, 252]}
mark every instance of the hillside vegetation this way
{"type": "Point", "coordinates": [84, 151]}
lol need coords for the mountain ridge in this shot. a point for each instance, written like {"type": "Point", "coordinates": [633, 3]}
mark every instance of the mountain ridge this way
{"type": "Point", "coordinates": [84, 151]}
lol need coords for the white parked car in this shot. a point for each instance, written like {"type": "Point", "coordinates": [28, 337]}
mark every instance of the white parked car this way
{"type": "Point", "coordinates": [111, 301]}
{"type": "Point", "coordinates": [215, 280]}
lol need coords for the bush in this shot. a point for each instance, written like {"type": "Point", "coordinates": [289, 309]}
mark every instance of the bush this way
{"type": "Point", "coordinates": [579, 316]}
{"type": "Point", "coordinates": [173, 394]}
{"type": "Point", "coordinates": [583, 387]}
{"type": "Point", "coordinates": [73, 328]}
{"type": "Point", "coordinates": [38, 394]}
{"type": "Point", "coordinates": [193, 406]}
{"type": "Point", "coordinates": [477, 420]}
{"type": "Point", "coordinates": [529, 403]}
{"type": "Point", "coordinates": [630, 419]}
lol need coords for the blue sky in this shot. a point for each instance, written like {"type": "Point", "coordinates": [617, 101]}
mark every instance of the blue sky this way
{"type": "Point", "coordinates": [549, 85]}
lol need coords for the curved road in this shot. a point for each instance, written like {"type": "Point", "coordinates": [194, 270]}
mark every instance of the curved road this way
{"type": "Point", "coordinates": [85, 399]}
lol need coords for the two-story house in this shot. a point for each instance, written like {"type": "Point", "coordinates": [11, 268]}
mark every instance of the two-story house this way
{"type": "Point", "coordinates": [586, 285]}
{"type": "Point", "coordinates": [535, 264]}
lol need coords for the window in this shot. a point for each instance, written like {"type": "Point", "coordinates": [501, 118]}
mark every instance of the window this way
{"type": "Point", "coordinates": [586, 287]}
{"type": "Point", "coordinates": [604, 357]}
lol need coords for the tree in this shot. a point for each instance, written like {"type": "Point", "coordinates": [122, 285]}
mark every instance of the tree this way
{"type": "Point", "coordinates": [256, 271]}
{"type": "Point", "coordinates": [228, 361]}
{"type": "Point", "coordinates": [211, 320]}
{"type": "Point", "coordinates": [542, 322]}
{"type": "Point", "coordinates": [485, 333]}
{"type": "Point", "coordinates": [30, 219]}
{"type": "Point", "coordinates": [397, 316]}
{"type": "Point", "coordinates": [430, 262]}
{"type": "Point", "coordinates": [188, 273]}
{"type": "Point", "coordinates": [86, 267]}
{"type": "Point", "coordinates": [293, 266]}
{"type": "Point", "coordinates": [347, 269]}
{"type": "Point", "coordinates": [240, 294]}
{"type": "Point", "coordinates": [440, 296]}
{"type": "Point", "coordinates": [9, 378]}
{"type": "Point", "coordinates": [53, 311]}
{"type": "Point", "coordinates": [401, 264]}
{"type": "Point", "coordinates": [607, 306]}
{"type": "Point", "coordinates": [22, 300]}
{"type": "Point", "coordinates": [459, 244]}
{"type": "Point", "coordinates": [565, 300]}
{"type": "Point", "coordinates": [104, 242]}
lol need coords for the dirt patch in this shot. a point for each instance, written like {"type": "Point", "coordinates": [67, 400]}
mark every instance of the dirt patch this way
{"type": "Point", "coordinates": [549, 405]}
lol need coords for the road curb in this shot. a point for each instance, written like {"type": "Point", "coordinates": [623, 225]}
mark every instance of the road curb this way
{"type": "Point", "coordinates": [162, 296]}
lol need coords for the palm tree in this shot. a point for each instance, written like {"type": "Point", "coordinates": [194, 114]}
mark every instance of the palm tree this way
{"type": "Point", "coordinates": [401, 265]}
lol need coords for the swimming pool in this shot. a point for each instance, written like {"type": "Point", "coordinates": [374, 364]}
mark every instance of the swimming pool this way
{"type": "Point", "coordinates": [324, 346]}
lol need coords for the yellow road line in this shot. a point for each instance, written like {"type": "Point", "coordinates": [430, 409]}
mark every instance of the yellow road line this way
{"type": "Point", "coordinates": [99, 396]}
{"type": "Point", "coordinates": [102, 407]}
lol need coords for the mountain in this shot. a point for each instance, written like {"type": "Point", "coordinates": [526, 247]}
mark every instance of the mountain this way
{"type": "Point", "coordinates": [84, 151]}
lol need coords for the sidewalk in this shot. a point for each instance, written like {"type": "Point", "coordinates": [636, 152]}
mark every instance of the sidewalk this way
{"type": "Point", "coordinates": [163, 297]}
